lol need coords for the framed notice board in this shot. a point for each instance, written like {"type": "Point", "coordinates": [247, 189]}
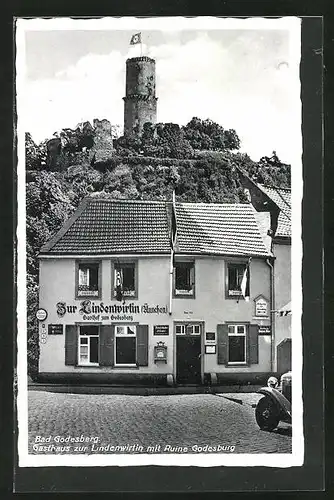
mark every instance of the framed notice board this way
{"type": "Point", "coordinates": [55, 329]}
{"type": "Point", "coordinates": [161, 330]}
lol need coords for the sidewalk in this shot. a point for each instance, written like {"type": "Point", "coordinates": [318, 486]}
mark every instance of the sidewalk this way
{"type": "Point", "coordinates": [230, 390]}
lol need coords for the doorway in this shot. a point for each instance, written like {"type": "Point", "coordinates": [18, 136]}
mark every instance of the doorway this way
{"type": "Point", "coordinates": [188, 353]}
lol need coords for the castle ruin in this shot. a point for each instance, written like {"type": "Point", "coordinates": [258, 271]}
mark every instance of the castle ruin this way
{"type": "Point", "coordinates": [140, 102]}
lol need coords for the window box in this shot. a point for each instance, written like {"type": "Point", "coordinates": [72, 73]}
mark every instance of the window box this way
{"type": "Point", "coordinates": [88, 279]}
{"type": "Point", "coordinates": [184, 280]}
{"type": "Point", "coordinates": [125, 280]}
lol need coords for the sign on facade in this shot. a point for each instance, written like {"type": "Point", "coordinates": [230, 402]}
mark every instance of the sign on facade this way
{"type": "Point", "coordinates": [55, 329]}
{"type": "Point", "coordinates": [264, 330]}
{"type": "Point", "coordinates": [161, 330]}
{"type": "Point", "coordinates": [261, 306]}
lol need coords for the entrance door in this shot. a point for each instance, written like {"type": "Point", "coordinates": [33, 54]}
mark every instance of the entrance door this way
{"type": "Point", "coordinates": [188, 354]}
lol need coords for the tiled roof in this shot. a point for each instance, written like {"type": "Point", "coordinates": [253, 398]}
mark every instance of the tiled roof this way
{"type": "Point", "coordinates": [282, 198]}
{"type": "Point", "coordinates": [103, 226]}
{"type": "Point", "coordinates": [210, 228]}
{"type": "Point", "coordinates": [108, 226]}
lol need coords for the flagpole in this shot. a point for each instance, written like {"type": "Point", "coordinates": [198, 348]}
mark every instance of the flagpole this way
{"type": "Point", "coordinates": [172, 254]}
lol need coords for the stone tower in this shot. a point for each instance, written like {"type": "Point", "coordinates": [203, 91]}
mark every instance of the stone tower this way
{"type": "Point", "coordinates": [140, 103]}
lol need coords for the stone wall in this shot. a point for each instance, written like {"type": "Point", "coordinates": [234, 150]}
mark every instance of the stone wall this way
{"type": "Point", "coordinates": [95, 142]}
{"type": "Point", "coordinates": [103, 143]}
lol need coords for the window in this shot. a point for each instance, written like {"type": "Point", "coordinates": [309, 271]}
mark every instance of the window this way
{"type": "Point", "coordinates": [184, 279]}
{"type": "Point", "coordinates": [88, 345]}
{"type": "Point", "coordinates": [237, 344]}
{"type": "Point", "coordinates": [190, 329]}
{"type": "Point", "coordinates": [235, 274]}
{"type": "Point", "coordinates": [88, 279]}
{"type": "Point", "coordinates": [125, 345]}
{"type": "Point", "coordinates": [125, 280]}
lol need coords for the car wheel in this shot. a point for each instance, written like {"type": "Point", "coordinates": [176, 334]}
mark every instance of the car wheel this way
{"type": "Point", "coordinates": [267, 414]}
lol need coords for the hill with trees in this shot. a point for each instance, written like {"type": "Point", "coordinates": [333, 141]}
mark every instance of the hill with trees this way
{"type": "Point", "coordinates": [198, 161]}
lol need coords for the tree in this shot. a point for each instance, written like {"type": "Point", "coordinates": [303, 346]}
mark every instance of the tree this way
{"type": "Point", "coordinates": [35, 155]}
{"type": "Point", "coordinates": [273, 172]}
{"type": "Point", "coordinates": [207, 134]}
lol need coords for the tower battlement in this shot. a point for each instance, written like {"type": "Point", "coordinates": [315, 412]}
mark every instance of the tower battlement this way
{"type": "Point", "coordinates": [141, 58]}
{"type": "Point", "coordinates": [140, 101]}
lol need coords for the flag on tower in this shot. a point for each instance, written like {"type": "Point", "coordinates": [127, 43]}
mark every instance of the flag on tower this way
{"type": "Point", "coordinates": [135, 39]}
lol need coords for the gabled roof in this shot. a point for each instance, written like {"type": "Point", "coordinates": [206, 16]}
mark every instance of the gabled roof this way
{"type": "Point", "coordinates": [282, 198]}
{"type": "Point", "coordinates": [211, 228]}
{"type": "Point", "coordinates": [270, 199]}
{"type": "Point", "coordinates": [105, 226]}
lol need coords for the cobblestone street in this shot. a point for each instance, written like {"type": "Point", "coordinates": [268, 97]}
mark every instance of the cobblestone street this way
{"type": "Point", "coordinates": [142, 421]}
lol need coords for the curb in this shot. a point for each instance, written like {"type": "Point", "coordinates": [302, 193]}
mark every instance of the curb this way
{"type": "Point", "coordinates": [238, 400]}
{"type": "Point", "coordinates": [140, 391]}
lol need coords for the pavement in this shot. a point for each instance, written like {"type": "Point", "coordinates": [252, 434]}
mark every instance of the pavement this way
{"type": "Point", "coordinates": [132, 423]}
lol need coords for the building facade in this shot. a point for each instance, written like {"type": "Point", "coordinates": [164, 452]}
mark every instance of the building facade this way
{"type": "Point", "coordinates": [156, 292]}
{"type": "Point", "coordinates": [274, 211]}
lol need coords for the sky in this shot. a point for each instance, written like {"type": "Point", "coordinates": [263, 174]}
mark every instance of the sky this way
{"type": "Point", "coordinates": [245, 79]}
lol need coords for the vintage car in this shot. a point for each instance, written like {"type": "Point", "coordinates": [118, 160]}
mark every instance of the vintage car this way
{"type": "Point", "coordinates": [275, 406]}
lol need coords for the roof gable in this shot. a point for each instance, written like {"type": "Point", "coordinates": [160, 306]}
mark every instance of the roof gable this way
{"type": "Point", "coordinates": [282, 198]}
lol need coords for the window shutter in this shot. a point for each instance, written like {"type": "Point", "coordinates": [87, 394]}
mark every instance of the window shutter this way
{"type": "Point", "coordinates": [71, 345]}
{"type": "Point", "coordinates": [253, 345]}
{"type": "Point", "coordinates": [142, 345]}
{"type": "Point", "coordinates": [222, 339]}
{"type": "Point", "coordinates": [107, 340]}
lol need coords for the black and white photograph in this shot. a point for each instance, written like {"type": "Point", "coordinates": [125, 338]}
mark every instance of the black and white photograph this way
{"type": "Point", "coordinates": [159, 242]}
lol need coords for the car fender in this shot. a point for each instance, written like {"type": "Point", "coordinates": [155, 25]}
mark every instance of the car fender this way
{"type": "Point", "coordinates": [283, 404]}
